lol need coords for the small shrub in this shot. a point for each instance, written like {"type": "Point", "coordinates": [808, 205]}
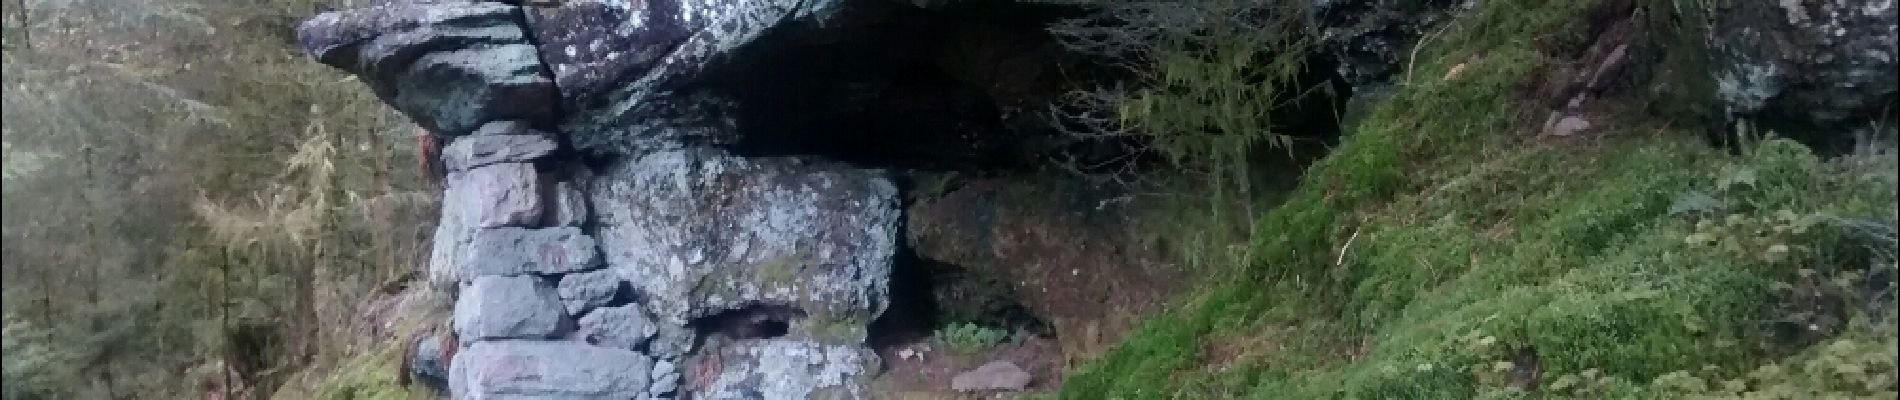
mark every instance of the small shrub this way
{"type": "Point", "coordinates": [1205, 84]}
{"type": "Point", "coordinates": [964, 337]}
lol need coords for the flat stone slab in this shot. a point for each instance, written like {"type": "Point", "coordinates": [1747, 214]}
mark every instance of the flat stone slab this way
{"type": "Point", "coordinates": [475, 151]}
{"type": "Point", "coordinates": [450, 66]}
{"type": "Point", "coordinates": [508, 307]}
{"type": "Point", "coordinates": [996, 375]}
{"type": "Point", "coordinates": [519, 251]}
{"type": "Point", "coordinates": [547, 370]}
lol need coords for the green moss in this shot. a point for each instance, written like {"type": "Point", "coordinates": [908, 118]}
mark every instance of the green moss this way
{"type": "Point", "coordinates": [834, 329]}
{"type": "Point", "coordinates": [1441, 244]}
{"type": "Point", "coordinates": [368, 376]}
{"type": "Point", "coordinates": [967, 338]}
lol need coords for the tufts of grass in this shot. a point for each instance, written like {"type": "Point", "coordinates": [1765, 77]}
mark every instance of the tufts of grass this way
{"type": "Point", "coordinates": [367, 376]}
{"type": "Point", "coordinates": [1441, 252]}
{"type": "Point", "coordinates": [965, 337]}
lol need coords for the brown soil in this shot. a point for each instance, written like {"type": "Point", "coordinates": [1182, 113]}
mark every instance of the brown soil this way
{"type": "Point", "coordinates": [927, 373]}
{"type": "Point", "coordinates": [1075, 257]}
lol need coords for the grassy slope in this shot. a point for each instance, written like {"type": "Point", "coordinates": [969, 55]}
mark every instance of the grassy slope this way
{"type": "Point", "coordinates": [368, 370]}
{"type": "Point", "coordinates": [1473, 244]}
{"type": "Point", "coordinates": [367, 376]}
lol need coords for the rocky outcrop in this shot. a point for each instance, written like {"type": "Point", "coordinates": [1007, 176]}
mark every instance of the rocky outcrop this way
{"type": "Point", "coordinates": [1821, 71]}
{"type": "Point", "coordinates": [1826, 64]}
{"type": "Point", "coordinates": [624, 67]}
{"type": "Point", "coordinates": [450, 66]}
{"type": "Point", "coordinates": [1369, 39]}
{"type": "Point", "coordinates": [706, 232]}
{"type": "Point", "coordinates": [700, 233]}
{"type": "Point", "coordinates": [578, 278]}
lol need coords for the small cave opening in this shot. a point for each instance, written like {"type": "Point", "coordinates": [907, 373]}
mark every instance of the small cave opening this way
{"type": "Point", "coordinates": [927, 295]}
{"type": "Point", "coordinates": [912, 315]}
{"type": "Point", "coordinates": [756, 321]}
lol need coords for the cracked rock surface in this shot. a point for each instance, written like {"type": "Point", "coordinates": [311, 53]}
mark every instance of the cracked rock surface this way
{"type": "Point", "coordinates": [1823, 63]}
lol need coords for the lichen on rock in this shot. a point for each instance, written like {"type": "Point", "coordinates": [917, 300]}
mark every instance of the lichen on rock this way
{"type": "Point", "coordinates": [701, 232]}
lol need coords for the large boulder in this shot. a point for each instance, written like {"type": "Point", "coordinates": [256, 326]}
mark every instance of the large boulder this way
{"type": "Point", "coordinates": [699, 232]}
{"type": "Point", "coordinates": [547, 370]}
{"type": "Point", "coordinates": [1827, 63]}
{"type": "Point", "coordinates": [450, 66]}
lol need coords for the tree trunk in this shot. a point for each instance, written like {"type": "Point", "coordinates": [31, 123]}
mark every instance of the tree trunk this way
{"type": "Point", "coordinates": [46, 293]}
{"type": "Point", "coordinates": [224, 311]}
{"type": "Point", "coordinates": [382, 236]}
{"type": "Point", "coordinates": [96, 321]}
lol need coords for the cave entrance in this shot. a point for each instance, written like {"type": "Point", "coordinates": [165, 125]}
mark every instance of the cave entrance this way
{"type": "Point", "coordinates": [963, 87]}
{"type": "Point", "coordinates": [929, 297]}
{"type": "Point", "coordinates": [890, 85]}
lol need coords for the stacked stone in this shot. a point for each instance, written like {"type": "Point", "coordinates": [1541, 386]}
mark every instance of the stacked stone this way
{"type": "Point", "coordinates": [557, 302]}
{"type": "Point", "coordinates": [510, 237]}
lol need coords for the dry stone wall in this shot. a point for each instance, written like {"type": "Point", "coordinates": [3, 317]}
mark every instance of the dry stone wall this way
{"type": "Point", "coordinates": [673, 269]}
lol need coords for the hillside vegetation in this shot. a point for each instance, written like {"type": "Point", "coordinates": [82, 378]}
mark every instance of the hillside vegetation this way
{"type": "Point", "coordinates": [192, 207]}
{"type": "Point", "coordinates": [1446, 250]}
